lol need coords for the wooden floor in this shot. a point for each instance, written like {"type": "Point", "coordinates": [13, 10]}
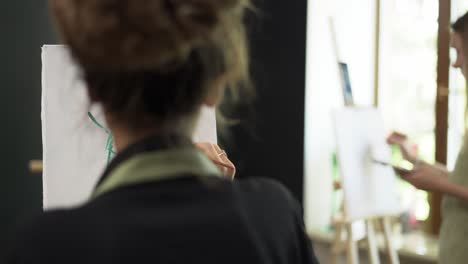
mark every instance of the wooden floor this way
{"type": "Point", "coordinates": [413, 249]}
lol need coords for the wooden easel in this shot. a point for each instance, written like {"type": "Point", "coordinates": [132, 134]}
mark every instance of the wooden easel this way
{"type": "Point", "coordinates": [349, 245]}
{"type": "Point", "coordinates": [36, 166]}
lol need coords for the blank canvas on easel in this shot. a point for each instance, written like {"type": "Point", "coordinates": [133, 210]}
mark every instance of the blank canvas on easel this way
{"type": "Point", "coordinates": [370, 189]}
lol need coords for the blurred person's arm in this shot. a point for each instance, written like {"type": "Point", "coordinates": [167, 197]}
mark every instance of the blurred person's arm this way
{"type": "Point", "coordinates": [434, 178]}
{"type": "Point", "coordinates": [425, 176]}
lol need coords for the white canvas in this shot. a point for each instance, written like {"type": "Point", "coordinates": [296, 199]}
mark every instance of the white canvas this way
{"type": "Point", "coordinates": [369, 189]}
{"type": "Point", "coordinates": [74, 152]}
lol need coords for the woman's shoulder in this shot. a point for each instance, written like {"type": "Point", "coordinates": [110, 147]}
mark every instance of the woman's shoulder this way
{"type": "Point", "coordinates": [45, 225]}
{"type": "Point", "coordinates": [266, 190]}
{"type": "Point", "coordinates": [263, 184]}
{"type": "Point", "coordinates": [35, 233]}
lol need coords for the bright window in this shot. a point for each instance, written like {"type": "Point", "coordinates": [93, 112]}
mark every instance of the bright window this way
{"type": "Point", "coordinates": [408, 81]}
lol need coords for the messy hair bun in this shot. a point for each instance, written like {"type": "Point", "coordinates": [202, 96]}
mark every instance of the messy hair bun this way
{"type": "Point", "coordinates": [109, 35]}
{"type": "Point", "coordinates": [129, 49]}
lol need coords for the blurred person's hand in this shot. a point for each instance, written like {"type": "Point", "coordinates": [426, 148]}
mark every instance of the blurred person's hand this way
{"type": "Point", "coordinates": [407, 149]}
{"type": "Point", "coordinates": [426, 177]}
{"type": "Point", "coordinates": [218, 157]}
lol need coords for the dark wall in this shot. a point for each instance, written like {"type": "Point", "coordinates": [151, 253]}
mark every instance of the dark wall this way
{"type": "Point", "coordinates": [24, 27]}
{"type": "Point", "coordinates": [273, 149]}
{"type": "Point", "coordinates": [278, 37]}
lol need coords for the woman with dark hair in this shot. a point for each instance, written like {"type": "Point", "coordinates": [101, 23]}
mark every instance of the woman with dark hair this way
{"type": "Point", "coordinates": [453, 234]}
{"type": "Point", "coordinates": [151, 65]}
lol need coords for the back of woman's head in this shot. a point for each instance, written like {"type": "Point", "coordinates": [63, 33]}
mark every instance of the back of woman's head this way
{"type": "Point", "coordinates": [155, 61]}
{"type": "Point", "coordinates": [460, 27]}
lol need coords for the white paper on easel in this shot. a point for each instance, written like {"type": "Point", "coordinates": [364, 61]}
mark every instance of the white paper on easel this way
{"type": "Point", "coordinates": [74, 152]}
{"type": "Point", "coordinates": [370, 189]}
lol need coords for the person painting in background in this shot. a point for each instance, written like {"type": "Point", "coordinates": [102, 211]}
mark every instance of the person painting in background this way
{"type": "Point", "coordinates": [151, 65]}
{"type": "Point", "coordinates": [435, 177]}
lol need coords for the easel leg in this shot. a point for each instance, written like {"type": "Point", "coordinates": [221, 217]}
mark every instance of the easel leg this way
{"type": "Point", "coordinates": [391, 250]}
{"type": "Point", "coordinates": [372, 243]}
{"type": "Point", "coordinates": [337, 244]}
{"type": "Point", "coordinates": [352, 250]}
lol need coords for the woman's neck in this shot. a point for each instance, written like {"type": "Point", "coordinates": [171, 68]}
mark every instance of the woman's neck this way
{"type": "Point", "coordinates": [124, 139]}
{"type": "Point", "coordinates": [125, 136]}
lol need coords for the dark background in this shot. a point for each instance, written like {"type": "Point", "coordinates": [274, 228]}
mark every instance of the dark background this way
{"type": "Point", "coordinates": [24, 28]}
{"type": "Point", "coordinates": [269, 143]}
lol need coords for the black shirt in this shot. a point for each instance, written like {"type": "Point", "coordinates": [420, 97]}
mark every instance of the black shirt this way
{"type": "Point", "coordinates": [183, 219]}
